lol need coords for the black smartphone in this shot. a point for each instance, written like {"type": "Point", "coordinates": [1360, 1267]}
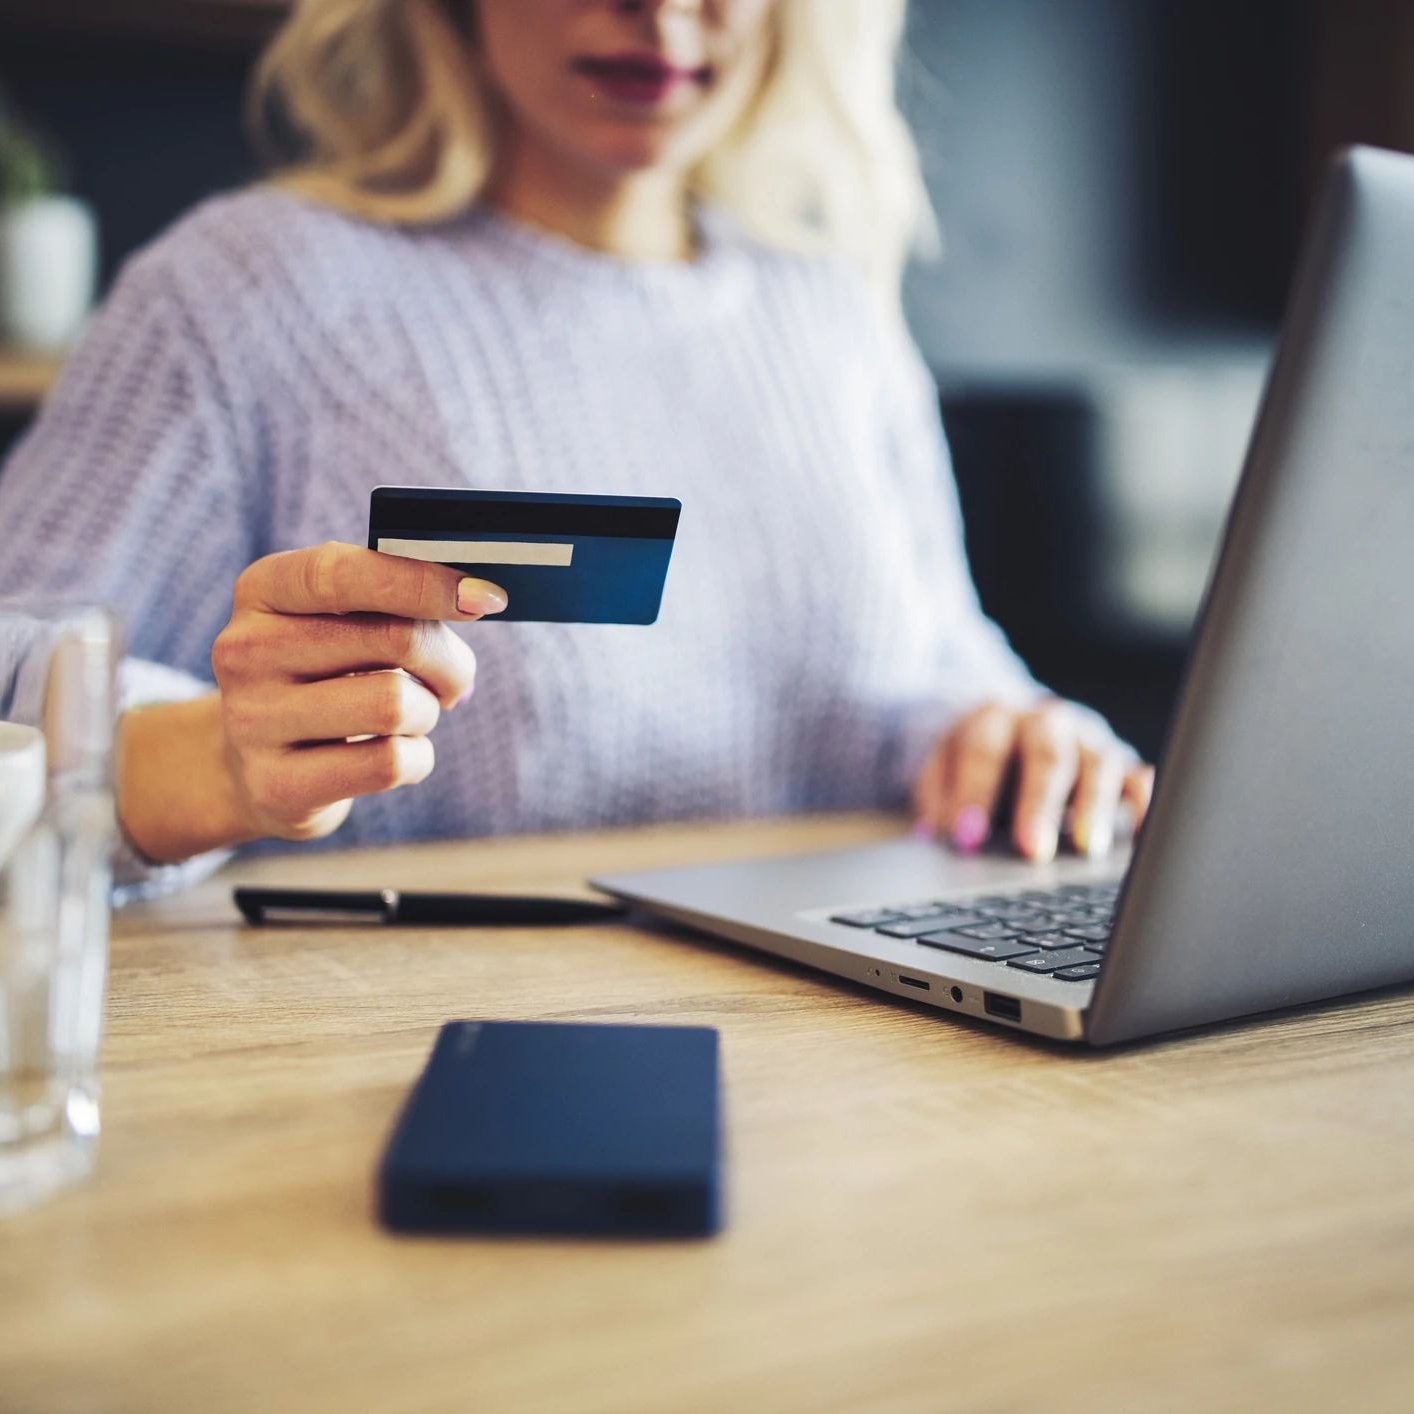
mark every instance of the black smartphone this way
{"type": "Point", "coordinates": [549, 1127]}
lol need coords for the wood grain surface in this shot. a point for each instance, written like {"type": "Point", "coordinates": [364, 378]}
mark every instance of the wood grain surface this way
{"type": "Point", "coordinates": [923, 1214]}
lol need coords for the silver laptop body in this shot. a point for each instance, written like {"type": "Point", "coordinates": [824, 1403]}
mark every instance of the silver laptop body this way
{"type": "Point", "coordinates": [1275, 867]}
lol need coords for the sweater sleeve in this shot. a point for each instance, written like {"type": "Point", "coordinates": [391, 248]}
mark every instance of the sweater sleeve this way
{"type": "Point", "coordinates": [973, 662]}
{"type": "Point", "coordinates": [127, 491]}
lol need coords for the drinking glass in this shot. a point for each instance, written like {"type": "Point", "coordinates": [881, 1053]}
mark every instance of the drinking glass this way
{"type": "Point", "coordinates": [57, 672]}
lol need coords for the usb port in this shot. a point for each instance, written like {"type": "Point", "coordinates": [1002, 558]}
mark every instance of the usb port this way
{"type": "Point", "coordinates": [915, 982]}
{"type": "Point", "coordinates": [997, 1005]}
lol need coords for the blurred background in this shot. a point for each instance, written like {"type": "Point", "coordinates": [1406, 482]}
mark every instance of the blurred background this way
{"type": "Point", "coordinates": [1121, 185]}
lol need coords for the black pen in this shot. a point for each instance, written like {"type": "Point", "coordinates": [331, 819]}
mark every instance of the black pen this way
{"type": "Point", "coordinates": [393, 906]}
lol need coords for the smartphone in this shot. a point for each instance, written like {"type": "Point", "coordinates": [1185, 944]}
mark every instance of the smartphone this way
{"type": "Point", "coordinates": [549, 1127]}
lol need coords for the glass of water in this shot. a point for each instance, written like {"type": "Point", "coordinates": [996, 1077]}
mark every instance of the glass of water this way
{"type": "Point", "coordinates": [57, 709]}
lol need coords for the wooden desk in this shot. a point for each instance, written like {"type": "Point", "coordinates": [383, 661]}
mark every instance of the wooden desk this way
{"type": "Point", "coordinates": [924, 1215]}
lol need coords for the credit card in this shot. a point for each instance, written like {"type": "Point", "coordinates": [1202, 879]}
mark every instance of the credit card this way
{"type": "Point", "coordinates": [560, 559]}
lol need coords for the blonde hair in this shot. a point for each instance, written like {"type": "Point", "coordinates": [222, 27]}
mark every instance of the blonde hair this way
{"type": "Point", "coordinates": [387, 104]}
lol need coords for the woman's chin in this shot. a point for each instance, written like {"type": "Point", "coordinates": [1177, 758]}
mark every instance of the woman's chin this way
{"type": "Point", "coordinates": [638, 149]}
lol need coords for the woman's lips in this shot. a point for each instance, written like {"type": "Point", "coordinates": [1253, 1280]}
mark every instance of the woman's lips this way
{"type": "Point", "coordinates": [644, 79]}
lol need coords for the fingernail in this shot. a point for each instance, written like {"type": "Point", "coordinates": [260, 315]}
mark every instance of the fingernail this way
{"type": "Point", "coordinates": [970, 829]}
{"type": "Point", "coordinates": [475, 596]}
{"type": "Point", "coordinates": [1100, 840]}
{"type": "Point", "coordinates": [465, 697]}
{"type": "Point", "coordinates": [922, 830]}
{"type": "Point", "coordinates": [1039, 841]}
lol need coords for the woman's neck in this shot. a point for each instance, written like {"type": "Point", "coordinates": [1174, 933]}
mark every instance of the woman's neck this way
{"type": "Point", "coordinates": [639, 216]}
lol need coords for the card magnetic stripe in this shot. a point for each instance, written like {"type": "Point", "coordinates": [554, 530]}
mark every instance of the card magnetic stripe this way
{"type": "Point", "coordinates": [629, 518]}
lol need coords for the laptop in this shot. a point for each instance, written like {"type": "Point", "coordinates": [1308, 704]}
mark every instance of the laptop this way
{"type": "Point", "coordinates": [1275, 865]}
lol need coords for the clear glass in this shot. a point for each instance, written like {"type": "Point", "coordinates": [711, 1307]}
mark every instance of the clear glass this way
{"type": "Point", "coordinates": [57, 707]}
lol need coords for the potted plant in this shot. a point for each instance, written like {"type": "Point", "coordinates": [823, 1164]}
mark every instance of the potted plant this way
{"type": "Point", "coordinates": [48, 245]}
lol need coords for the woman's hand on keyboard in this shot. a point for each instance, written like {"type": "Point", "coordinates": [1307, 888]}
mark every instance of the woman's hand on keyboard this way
{"type": "Point", "coordinates": [1054, 769]}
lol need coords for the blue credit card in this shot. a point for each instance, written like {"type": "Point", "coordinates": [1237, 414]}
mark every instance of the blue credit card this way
{"type": "Point", "coordinates": [560, 559]}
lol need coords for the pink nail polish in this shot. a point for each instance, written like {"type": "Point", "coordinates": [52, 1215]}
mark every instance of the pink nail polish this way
{"type": "Point", "coordinates": [465, 697]}
{"type": "Point", "coordinates": [971, 829]}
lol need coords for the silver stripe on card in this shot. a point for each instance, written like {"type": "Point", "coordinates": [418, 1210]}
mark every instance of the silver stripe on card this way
{"type": "Point", "coordinates": [479, 552]}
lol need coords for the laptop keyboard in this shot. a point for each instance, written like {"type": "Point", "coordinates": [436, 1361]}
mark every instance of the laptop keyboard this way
{"type": "Point", "coordinates": [1060, 933]}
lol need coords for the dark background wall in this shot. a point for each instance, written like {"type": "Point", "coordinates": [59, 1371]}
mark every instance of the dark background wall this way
{"type": "Point", "coordinates": [1121, 185]}
{"type": "Point", "coordinates": [150, 122]}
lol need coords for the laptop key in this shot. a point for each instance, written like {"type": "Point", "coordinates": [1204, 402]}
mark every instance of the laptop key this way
{"type": "Point", "coordinates": [990, 950]}
{"type": "Point", "coordinates": [1050, 940]}
{"type": "Point", "coordinates": [1091, 933]}
{"type": "Point", "coordinates": [866, 917]}
{"type": "Point", "coordinates": [1039, 923]}
{"type": "Point", "coordinates": [1094, 893]}
{"type": "Point", "coordinates": [912, 927]}
{"type": "Point", "coordinates": [1054, 961]}
{"type": "Point", "coordinates": [1083, 973]}
{"type": "Point", "coordinates": [985, 932]}
{"type": "Point", "coordinates": [1006, 910]}
{"type": "Point", "coordinates": [963, 915]}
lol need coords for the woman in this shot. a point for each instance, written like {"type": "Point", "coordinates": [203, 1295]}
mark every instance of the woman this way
{"type": "Point", "coordinates": [577, 245]}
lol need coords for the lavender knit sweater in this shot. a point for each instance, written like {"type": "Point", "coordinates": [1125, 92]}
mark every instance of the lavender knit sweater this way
{"type": "Point", "coordinates": [263, 365]}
